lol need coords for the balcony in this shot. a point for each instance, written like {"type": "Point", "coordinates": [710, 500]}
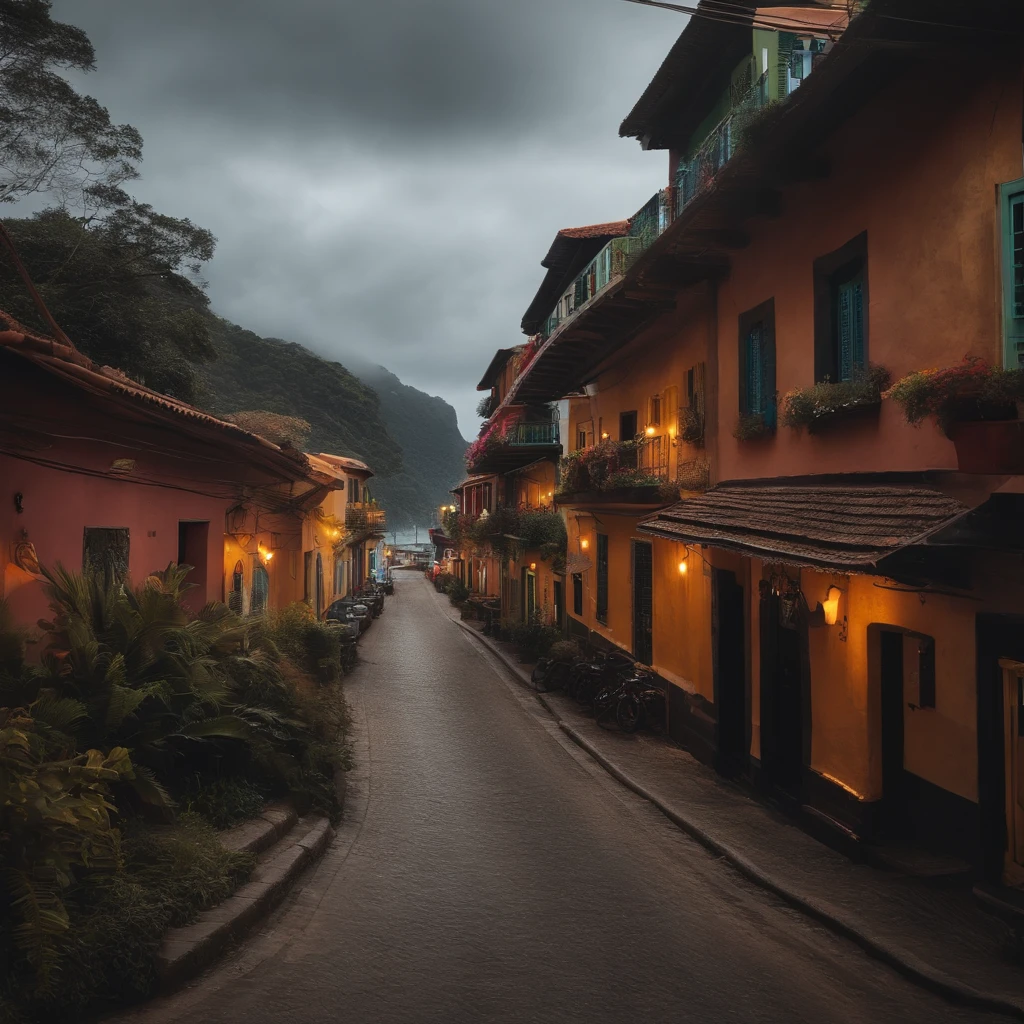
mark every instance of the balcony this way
{"type": "Point", "coordinates": [520, 444]}
{"type": "Point", "coordinates": [618, 473]}
{"type": "Point", "coordinates": [364, 519]}
{"type": "Point", "coordinates": [697, 174]}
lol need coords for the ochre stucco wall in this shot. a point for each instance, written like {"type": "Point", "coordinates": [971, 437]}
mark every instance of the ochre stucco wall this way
{"type": "Point", "coordinates": [917, 169]}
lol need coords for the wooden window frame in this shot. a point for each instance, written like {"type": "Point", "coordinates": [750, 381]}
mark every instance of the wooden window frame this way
{"type": "Point", "coordinates": [830, 271]}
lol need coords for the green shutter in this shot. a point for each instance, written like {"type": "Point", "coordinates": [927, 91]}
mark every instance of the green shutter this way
{"type": "Point", "coordinates": [1012, 196]}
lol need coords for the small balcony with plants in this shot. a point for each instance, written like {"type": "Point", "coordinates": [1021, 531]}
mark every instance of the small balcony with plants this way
{"type": "Point", "coordinates": [977, 406]}
{"type": "Point", "coordinates": [618, 472]}
{"type": "Point", "coordinates": [364, 519]}
{"type": "Point", "coordinates": [504, 447]}
{"type": "Point", "coordinates": [509, 531]}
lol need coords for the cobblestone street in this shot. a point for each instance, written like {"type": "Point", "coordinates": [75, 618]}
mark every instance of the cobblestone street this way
{"type": "Point", "coordinates": [488, 870]}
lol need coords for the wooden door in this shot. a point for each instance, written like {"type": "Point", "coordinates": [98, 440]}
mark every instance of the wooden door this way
{"type": "Point", "coordinates": [1013, 725]}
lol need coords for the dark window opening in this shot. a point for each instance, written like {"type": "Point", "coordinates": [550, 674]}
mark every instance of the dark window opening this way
{"type": "Point", "coordinates": [627, 426]}
{"type": "Point", "coordinates": [577, 593]}
{"type": "Point", "coordinates": [602, 578]}
{"type": "Point", "coordinates": [193, 544]}
{"type": "Point", "coordinates": [237, 585]}
{"type": "Point", "coordinates": [260, 589]}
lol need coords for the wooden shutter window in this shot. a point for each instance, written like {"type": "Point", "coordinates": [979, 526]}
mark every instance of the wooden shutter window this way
{"type": "Point", "coordinates": [850, 327]}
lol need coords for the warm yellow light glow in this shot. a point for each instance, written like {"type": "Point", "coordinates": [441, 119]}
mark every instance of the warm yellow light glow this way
{"type": "Point", "coordinates": [604, 435]}
{"type": "Point", "coordinates": [387, 554]}
{"type": "Point", "coordinates": [840, 783]}
{"type": "Point", "coordinates": [682, 568]}
{"type": "Point", "coordinates": [831, 605]}
{"type": "Point", "coordinates": [650, 431]}
{"type": "Point", "coordinates": [671, 431]}
{"type": "Point", "coordinates": [533, 565]}
{"type": "Point", "coordinates": [584, 543]}
{"type": "Point", "coordinates": [268, 555]}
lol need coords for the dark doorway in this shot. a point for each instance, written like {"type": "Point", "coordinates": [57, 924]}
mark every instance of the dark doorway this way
{"type": "Point", "coordinates": [784, 714]}
{"type": "Point", "coordinates": [559, 604]}
{"type": "Point", "coordinates": [643, 602]}
{"type": "Point", "coordinates": [319, 585]}
{"type": "Point", "coordinates": [237, 583]}
{"type": "Point", "coordinates": [997, 637]}
{"type": "Point", "coordinates": [894, 818]}
{"type": "Point", "coordinates": [627, 425]}
{"type": "Point", "coordinates": [728, 648]}
{"type": "Point", "coordinates": [193, 540]}
{"type": "Point", "coordinates": [529, 595]}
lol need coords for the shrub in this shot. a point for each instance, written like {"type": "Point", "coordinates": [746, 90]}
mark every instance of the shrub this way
{"type": "Point", "coordinates": [971, 390]}
{"type": "Point", "coordinates": [224, 802]}
{"type": "Point", "coordinates": [807, 407]}
{"type": "Point", "coordinates": [565, 652]}
{"type": "Point", "coordinates": [533, 639]}
{"type": "Point", "coordinates": [751, 426]}
{"type": "Point", "coordinates": [457, 590]}
{"type": "Point", "coordinates": [170, 873]}
{"type": "Point", "coordinates": [311, 645]}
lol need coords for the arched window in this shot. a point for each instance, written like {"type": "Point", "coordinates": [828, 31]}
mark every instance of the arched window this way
{"type": "Point", "coordinates": [235, 593]}
{"type": "Point", "coordinates": [260, 589]}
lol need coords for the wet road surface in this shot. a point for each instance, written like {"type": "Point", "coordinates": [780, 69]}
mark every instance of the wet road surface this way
{"type": "Point", "coordinates": [489, 871]}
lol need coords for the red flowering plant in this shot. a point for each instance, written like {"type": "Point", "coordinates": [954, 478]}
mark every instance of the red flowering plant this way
{"type": "Point", "coordinates": [969, 391]}
{"type": "Point", "coordinates": [605, 466]}
{"type": "Point", "coordinates": [483, 446]}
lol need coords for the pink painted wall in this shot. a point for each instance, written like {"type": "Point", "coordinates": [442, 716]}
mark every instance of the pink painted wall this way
{"type": "Point", "coordinates": [58, 506]}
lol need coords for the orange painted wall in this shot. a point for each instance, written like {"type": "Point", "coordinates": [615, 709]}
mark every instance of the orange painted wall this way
{"type": "Point", "coordinates": [657, 359]}
{"type": "Point", "coordinates": [916, 168]}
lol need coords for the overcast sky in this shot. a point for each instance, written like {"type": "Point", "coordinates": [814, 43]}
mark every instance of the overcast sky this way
{"type": "Point", "coordinates": [382, 177]}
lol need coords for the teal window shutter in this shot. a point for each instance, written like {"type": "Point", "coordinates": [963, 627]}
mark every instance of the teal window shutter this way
{"type": "Point", "coordinates": [755, 368]}
{"type": "Point", "coordinates": [850, 324]}
{"type": "Point", "coordinates": [1012, 196]}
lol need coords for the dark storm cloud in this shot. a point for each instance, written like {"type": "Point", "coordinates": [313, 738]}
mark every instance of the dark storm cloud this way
{"type": "Point", "coordinates": [383, 177]}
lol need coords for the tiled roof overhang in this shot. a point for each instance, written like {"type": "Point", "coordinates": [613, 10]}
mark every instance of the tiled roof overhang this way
{"type": "Point", "coordinates": [852, 528]}
{"type": "Point", "coordinates": [570, 252]}
{"type": "Point", "coordinates": [493, 371]}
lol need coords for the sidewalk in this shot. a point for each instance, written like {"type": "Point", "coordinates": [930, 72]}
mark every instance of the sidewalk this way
{"type": "Point", "coordinates": [937, 937]}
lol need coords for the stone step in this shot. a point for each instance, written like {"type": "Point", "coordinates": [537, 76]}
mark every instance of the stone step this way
{"type": "Point", "coordinates": [188, 950]}
{"type": "Point", "coordinates": [259, 834]}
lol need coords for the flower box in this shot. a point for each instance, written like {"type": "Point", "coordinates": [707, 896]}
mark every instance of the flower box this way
{"type": "Point", "coordinates": [989, 446]}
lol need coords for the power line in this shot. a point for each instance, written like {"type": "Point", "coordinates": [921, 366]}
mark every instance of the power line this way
{"type": "Point", "coordinates": [744, 16]}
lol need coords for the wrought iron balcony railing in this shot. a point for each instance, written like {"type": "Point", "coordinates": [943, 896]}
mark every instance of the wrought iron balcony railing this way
{"type": "Point", "coordinates": [364, 518]}
{"type": "Point", "coordinates": [693, 177]}
{"type": "Point", "coordinates": [525, 434]}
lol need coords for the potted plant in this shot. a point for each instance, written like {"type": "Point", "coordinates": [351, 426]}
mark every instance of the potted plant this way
{"type": "Point", "coordinates": [751, 426]}
{"type": "Point", "coordinates": [827, 401]}
{"type": "Point", "coordinates": [975, 406]}
{"type": "Point", "coordinates": [691, 426]}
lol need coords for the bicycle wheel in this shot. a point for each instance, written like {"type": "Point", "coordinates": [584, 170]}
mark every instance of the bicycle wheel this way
{"type": "Point", "coordinates": [629, 713]}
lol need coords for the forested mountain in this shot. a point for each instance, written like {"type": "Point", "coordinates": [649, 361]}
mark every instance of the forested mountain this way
{"type": "Point", "coordinates": [409, 439]}
{"type": "Point", "coordinates": [427, 430]}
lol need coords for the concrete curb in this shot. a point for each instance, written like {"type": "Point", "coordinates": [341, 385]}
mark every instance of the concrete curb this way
{"type": "Point", "coordinates": [261, 833]}
{"type": "Point", "coordinates": [859, 932]}
{"type": "Point", "coordinates": [187, 951]}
